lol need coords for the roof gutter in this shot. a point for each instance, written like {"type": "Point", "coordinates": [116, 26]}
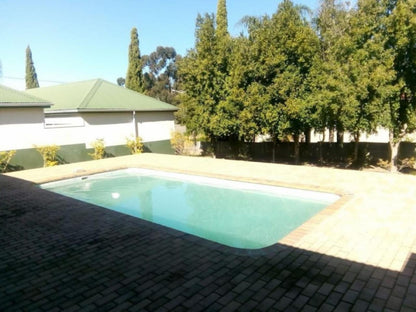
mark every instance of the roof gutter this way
{"type": "Point", "coordinates": [107, 110]}
{"type": "Point", "coordinates": [103, 110]}
{"type": "Point", "coordinates": [14, 105]}
{"type": "Point", "coordinates": [62, 111]}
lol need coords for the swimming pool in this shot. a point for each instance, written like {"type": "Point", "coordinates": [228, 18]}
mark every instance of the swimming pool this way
{"type": "Point", "coordinates": [236, 214]}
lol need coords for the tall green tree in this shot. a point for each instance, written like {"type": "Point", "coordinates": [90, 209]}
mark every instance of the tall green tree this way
{"type": "Point", "coordinates": [225, 121]}
{"type": "Point", "coordinates": [203, 75]}
{"type": "Point", "coordinates": [298, 45]}
{"type": "Point", "coordinates": [401, 28]}
{"type": "Point", "coordinates": [31, 77]}
{"type": "Point", "coordinates": [370, 68]}
{"type": "Point", "coordinates": [330, 88]}
{"type": "Point", "coordinates": [198, 72]}
{"type": "Point", "coordinates": [222, 37]}
{"type": "Point", "coordinates": [282, 49]}
{"type": "Point", "coordinates": [244, 95]}
{"type": "Point", "coordinates": [134, 76]}
{"type": "Point", "coordinates": [247, 80]}
{"type": "Point", "coordinates": [222, 20]}
{"type": "Point", "coordinates": [352, 80]}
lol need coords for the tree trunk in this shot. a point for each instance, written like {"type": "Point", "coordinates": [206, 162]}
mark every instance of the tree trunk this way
{"type": "Point", "coordinates": [235, 146]}
{"type": "Point", "coordinates": [356, 145]}
{"type": "Point", "coordinates": [340, 138]}
{"type": "Point", "coordinates": [321, 158]}
{"type": "Point", "coordinates": [308, 136]}
{"type": "Point", "coordinates": [274, 151]}
{"type": "Point", "coordinates": [393, 152]}
{"type": "Point", "coordinates": [331, 135]}
{"type": "Point", "coordinates": [308, 142]}
{"type": "Point", "coordinates": [297, 148]}
{"type": "Point", "coordinates": [213, 147]}
{"type": "Point", "coordinates": [340, 146]}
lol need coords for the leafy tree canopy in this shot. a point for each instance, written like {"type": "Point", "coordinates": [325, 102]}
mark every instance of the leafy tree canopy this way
{"type": "Point", "coordinates": [353, 69]}
{"type": "Point", "coordinates": [160, 74]}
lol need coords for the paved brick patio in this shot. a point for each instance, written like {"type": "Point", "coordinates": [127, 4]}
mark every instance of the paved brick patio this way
{"type": "Point", "coordinates": [60, 254]}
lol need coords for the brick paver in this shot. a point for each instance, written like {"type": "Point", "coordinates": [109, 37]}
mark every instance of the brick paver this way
{"type": "Point", "coordinates": [58, 254]}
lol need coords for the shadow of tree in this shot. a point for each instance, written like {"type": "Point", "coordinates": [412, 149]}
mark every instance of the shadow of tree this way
{"type": "Point", "coordinates": [11, 168]}
{"type": "Point", "coordinates": [108, 155]}
{"type": "Point", "coordinates": [61, 160]}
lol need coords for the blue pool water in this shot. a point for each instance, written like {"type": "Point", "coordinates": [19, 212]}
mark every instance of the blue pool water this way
{"type": "Point", "coordinates": [237, 214]}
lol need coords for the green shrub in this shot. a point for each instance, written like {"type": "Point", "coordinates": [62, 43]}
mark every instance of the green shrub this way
{"type": "Point", "coordinates": [49, 154]}
{"type": "Point", "coordinates": [5, 158]}
{"type": "Point", "coordinates": [178, 140]}
{"type": "Point", "coordinates": [183, 144]}
{"type": "Point", "coordinates": [135, 145]}
{"type": "Point", "coordinates": [99, 149]}
{"type": "Point", "coordinates": [409, 163]}
{"type": "Point", "coordinates": [385, 164]}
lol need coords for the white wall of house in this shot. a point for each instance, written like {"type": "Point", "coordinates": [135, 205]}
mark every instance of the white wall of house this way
{"type": "Point", "coordinates": [85, 128]}
{"type": "Point", "coordinates": [21, 127]}
{"type": "Point", "coordinates": [65, 129]}
{"type": "Point", "coordinates": [155, 126]}
{"type": "Point", "coordinates": [113, 127]}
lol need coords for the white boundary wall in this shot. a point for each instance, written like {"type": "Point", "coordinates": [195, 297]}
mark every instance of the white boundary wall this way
{"type": "Point", "coordinates": [381, 136]}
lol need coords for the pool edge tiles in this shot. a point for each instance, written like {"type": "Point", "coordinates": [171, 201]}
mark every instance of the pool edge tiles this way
{"type": "Point", "coordinates": [295, 237]}
{"type": "Point", "coordinates": [232, 193]}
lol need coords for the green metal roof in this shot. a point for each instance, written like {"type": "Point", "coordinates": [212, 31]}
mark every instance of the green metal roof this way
{"type": "Point", "coordinates": [13, 98]}
{"type": "Point", "coordinates": [97, 96]}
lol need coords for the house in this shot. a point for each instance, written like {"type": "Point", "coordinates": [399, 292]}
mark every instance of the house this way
{"type": "Point", "coordinates": [21, 125]}
{"type": "Point", "coordinates": [85, 111]}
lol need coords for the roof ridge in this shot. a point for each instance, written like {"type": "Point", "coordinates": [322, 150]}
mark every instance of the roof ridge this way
{"type": "Point", "coordinates": [91, 93]}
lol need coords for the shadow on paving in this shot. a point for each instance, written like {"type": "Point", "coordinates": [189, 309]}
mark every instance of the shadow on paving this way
{"type": "Point", "coordinates": [57, 253]}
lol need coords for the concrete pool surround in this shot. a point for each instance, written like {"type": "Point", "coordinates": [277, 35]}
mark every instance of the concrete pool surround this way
{"type": "Point", "coordinates": [359, 254]}
{"type": "Point", "coordinates": [344, 229]}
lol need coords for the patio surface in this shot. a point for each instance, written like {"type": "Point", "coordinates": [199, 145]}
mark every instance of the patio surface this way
{"type": "Point", "coordinates": [57, 253]}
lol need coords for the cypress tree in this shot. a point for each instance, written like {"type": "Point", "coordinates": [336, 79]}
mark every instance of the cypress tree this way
{"type": "Point", "coordinates": [222, 38]}
{"type": "Point", "coordinates": [31, 77]}
{"type": "Point", "coordinates": [222, 24]}
{"type": "Point", "coordinates": [134, 77]}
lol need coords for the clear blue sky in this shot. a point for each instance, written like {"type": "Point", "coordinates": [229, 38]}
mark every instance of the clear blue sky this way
{"type": "Point", "coordinates": [73, 40]}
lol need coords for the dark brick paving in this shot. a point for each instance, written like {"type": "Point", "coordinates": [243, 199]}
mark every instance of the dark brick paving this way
{"type": "Point", "coordinates": [58, 254]}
